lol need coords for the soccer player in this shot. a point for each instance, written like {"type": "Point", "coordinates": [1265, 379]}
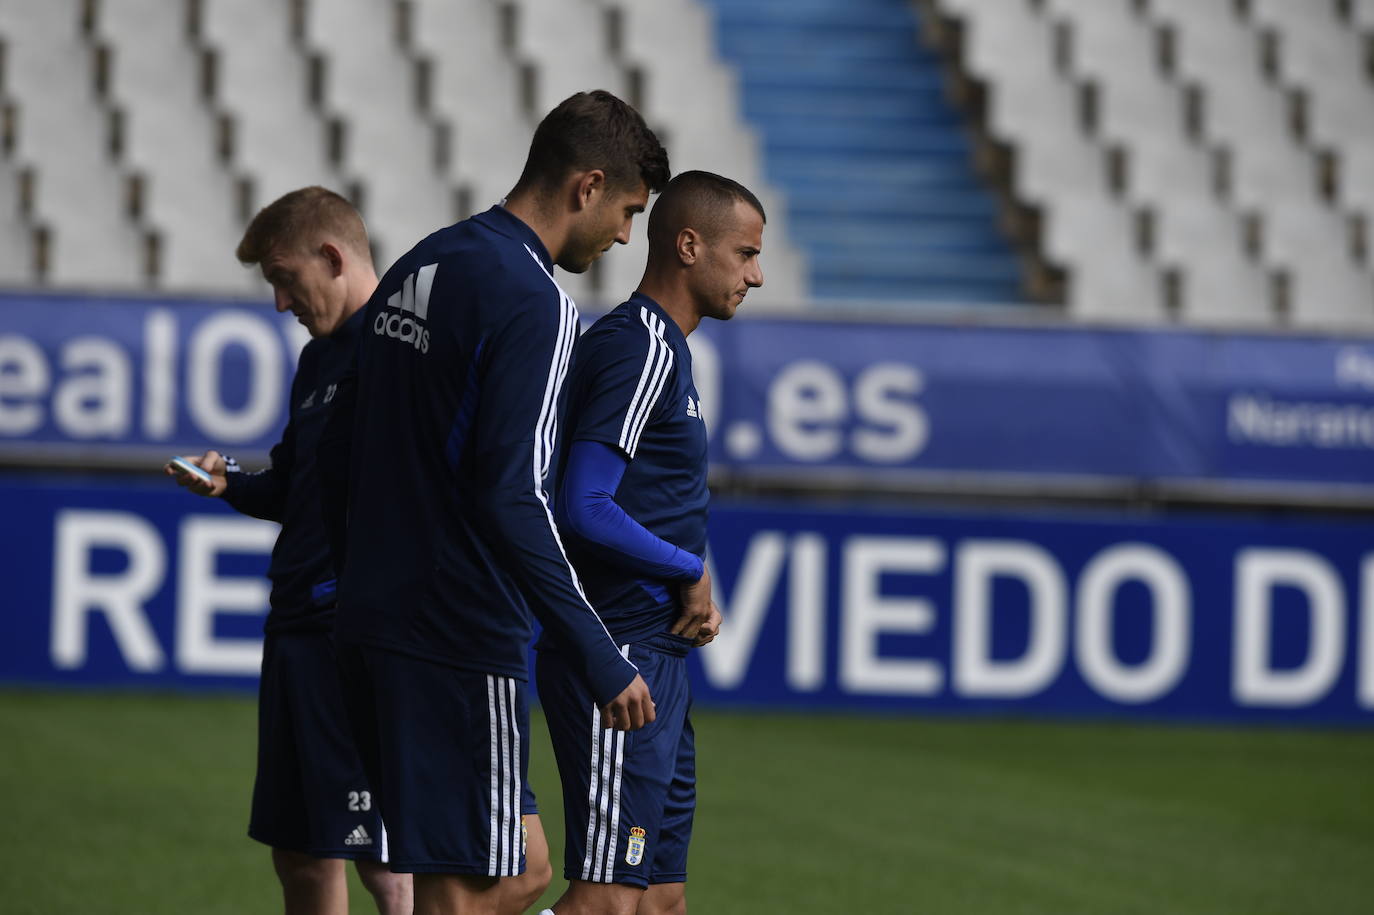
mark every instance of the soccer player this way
{"type": "Point", "coordinates": [311, 802]}
{"type": "Point", "coordinates": [449, 540]}
{"type": "Point", "coordinates": [632, 502]}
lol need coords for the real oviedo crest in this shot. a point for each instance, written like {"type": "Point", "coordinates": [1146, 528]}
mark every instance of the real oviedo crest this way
{"type": "Point", "coordinates": [634, 851]}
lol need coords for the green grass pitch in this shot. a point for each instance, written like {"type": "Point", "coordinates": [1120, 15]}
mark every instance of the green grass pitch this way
{"type": "Point", "coordinates": [138, 803]}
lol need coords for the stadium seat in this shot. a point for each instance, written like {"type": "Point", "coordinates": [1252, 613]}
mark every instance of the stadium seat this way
{"type": "Point", "coordinates": [16, 237]}
{"type": "Point", "coordinates": [671, 44]}
{"type": "Point", "coordinates": [388, 144]}
{"type": "Point", "coordinates": [489, 128]}
{"type": "Point", "coordinates": [169, 145]}
{"type": "Point", "coordinates": [565, 44]}
{"type": "Point", "coordinates": [846, 102]}
{"type": "Point", "coordinates": [1208, 121]}
{"type": "Point", "coordinates": [62, 138]}
{"type": "Point", "coordinates": [260, 86]}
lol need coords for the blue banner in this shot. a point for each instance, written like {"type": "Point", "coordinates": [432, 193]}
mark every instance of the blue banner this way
{"type": "Point", "coordinates": [115, 380]}
{"type": "Point", "coordinates": [814, 397]}
{"type": "Point", "coordinates": [1195, 617]}
{"type": "Point", "coordinates": [135, 582]}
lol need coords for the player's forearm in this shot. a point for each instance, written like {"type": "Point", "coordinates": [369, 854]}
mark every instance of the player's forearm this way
{"type": "Point", "coordinates": [526, 536]}
{"type": "Point", "coordinates": [602, 525]}
{"type": "Point", "coordinates": [261, 495]}
{"type": "Point", "coordinates": [587, 508]}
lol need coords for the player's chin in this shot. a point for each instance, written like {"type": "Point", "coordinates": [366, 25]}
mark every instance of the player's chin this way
{"type": "Point", "coordinates": [578, 263]}
{"type": "Point", "coordinates": [726, 311]}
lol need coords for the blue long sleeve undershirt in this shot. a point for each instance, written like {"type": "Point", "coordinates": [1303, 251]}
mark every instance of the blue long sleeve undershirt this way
{"type": "Point", "coordinates": [587, 507]}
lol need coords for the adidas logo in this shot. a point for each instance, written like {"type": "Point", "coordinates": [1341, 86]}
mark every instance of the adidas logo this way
{"type": "Point", "coordinates": [411, 304]}
{"type": "Point", "coordinates": [692, 410]}
{"type": "Point", "coordinates": [358, 836]}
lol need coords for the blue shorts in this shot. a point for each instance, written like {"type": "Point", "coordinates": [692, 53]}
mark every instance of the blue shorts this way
{"type": "Point", "coordinates": [628, 798]}
{"type": "Point", "coordinates": [447, 751]}
{"type": "Point", "coordinates": [310, 795]}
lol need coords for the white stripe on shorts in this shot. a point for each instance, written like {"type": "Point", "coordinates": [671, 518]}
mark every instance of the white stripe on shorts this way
{"type": "Point", "coordinates": [603, 801]}
{"type": "Point", "coordinates": [516, 820]}
{"type": "Point", "coordinates": [494, 802]}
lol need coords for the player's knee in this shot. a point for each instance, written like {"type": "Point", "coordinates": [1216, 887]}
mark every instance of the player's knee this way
{"type": "Point", "coordinates": [520, 893]}
{"type": "Point", "coordinates": [663, 899]}
{"type": "Point", "coordinates": [298, 870]}
{"type": "Point", "coordinates": [538, 876]}
{"type": "Point", "coordinates": [394, 893]}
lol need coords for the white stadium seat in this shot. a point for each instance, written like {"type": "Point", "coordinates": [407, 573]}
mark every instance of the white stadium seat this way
{"type": "Point", "coordinates": [1247, 154]}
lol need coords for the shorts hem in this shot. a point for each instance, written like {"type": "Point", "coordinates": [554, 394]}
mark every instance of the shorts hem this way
{"type": "Point", "coordinates": [658, 879]}
{"type": "Point", "coordinates": [617, 880]}
{"type": "Point", "coordinates": [350, 854]}
{"type": "Point", "coordinates": [441, 867]}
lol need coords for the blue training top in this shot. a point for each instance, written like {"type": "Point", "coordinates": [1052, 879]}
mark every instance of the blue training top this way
{"type": "Point", "coordinates": [450, 537]}
{"type": "Point", "coordinates": [288, 489]}
{"type": "Point", "coordinates": [631, 390]}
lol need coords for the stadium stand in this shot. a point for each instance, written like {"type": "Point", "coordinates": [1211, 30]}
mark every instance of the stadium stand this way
{"type": "Point", "coordinates": [1150, 160]}
{"type": "Point", "coordinates": [1200, 160]}
{"type": "Point", "coordinates": [139, 136]}
{"type": "Point", "coordinates": [71, 214]}
{"type": "Point", "coordinates": [875, 162]}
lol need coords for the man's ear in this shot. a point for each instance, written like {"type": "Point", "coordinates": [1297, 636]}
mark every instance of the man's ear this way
{"type": "Point", "coordinates": [688, 245]}
{"type": "Point", "coordinates": [589, 186]}
{"type": "Point", "coordinates": [331, 253]}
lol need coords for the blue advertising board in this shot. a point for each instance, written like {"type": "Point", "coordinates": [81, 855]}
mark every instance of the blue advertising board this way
{"type": "Point", "coordinates": [123, 581]}
{"type": "Point", "coordinates": [1144, 405]}
{"type": "Point", "coordinates": [115, 380]}
{"type": "Point", "coordinates": [119, 380]}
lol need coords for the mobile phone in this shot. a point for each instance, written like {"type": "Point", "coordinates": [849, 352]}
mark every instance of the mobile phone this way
{"type": "Point", "coordinates": [184, 467]}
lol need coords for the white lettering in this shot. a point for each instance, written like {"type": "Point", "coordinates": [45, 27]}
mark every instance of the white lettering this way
{"type": "Point", "coordinates": [1260, 420]}
{"type": "Point", "coordinates": [1258, 572]}
{"type": "Point", "coordinates": [96, 403]}
{"type": "Point", "coordinates": [1355, 368]}
{"type": "Point", "coordinates": [208, 344]}
{"type": "Point", "coordinates": [78, 592]}
{"type": "Point", "coordinates": [1366, 653]}
{"type": "Point", "coordinates": [806, 616]}
{"type": "Point", "coordinates": [1170, 641]}
{"type": "Point", "coordinates": [884, 396]}
{"type": "Point", "coordinates": [977, 564]}
{"type": "Point", "coordinates": [202, 594]}
{"type": "Point", "coordinates": [23, 374]}
{"type": "Point", "coordinates": [867, 614]}
{"type": "Point", "coordinates": [725, 660]}
{"type": "Point", "coordinates": [806, 403]}
{"type": "Point", "coordinates": [159, 373]}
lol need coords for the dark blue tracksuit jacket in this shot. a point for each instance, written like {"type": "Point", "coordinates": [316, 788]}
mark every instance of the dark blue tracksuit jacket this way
{"type": "Point", "coordinates": [288, 490]}
{"type": "Point", "coordinates": [450, 540]}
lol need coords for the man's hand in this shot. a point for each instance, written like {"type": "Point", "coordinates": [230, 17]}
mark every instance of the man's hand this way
{"type": "Point", "coordinates": [700, 619]}
{"type": "Point", "coordinates": [631, 710]}
{"type": "Point", "coordinates": [710, 628]}
{"type": "Point", "coordinates": [212, 462]}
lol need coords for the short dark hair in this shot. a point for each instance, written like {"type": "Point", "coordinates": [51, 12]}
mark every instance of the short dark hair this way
{"type": "Point", "coordinates": [595, 130]}
{"type": "Point", "coordinates": [698, 200]}
{"type": "Point", "coordinates": [288, 220]}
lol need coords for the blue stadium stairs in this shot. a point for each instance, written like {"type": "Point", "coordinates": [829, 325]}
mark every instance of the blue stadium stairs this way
{"type": "Point", "coordinates": [877, 170]}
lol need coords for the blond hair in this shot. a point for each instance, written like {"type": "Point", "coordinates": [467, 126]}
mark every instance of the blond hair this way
{"type": "Point", "coordinates": [296, 219]}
